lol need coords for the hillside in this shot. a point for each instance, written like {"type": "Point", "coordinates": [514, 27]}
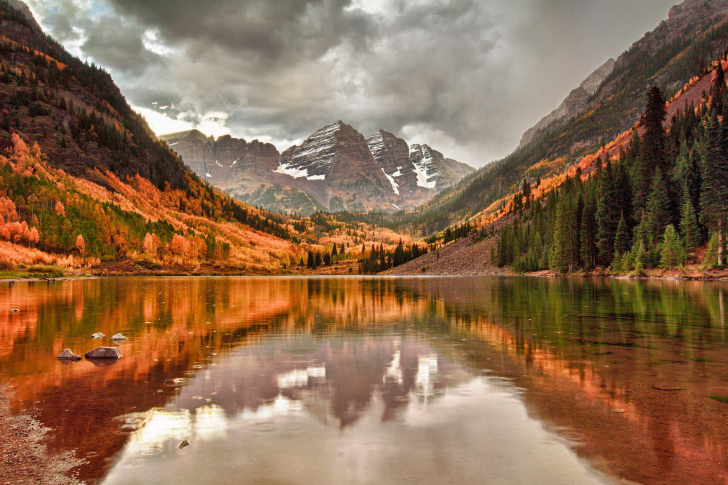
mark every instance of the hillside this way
{"type": "Point", "coordinates": [654, 201]}
{"type": "Point", "coordinates": [84, 183]}
{"type": "Point", "coordinates": [335, 169]}
{"type": "Point", "coordinates": [694, 34]}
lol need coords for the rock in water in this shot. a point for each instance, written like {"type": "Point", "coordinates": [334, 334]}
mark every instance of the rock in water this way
{"type": "Point", "coordinates": [98, 335]}
{"type": "Point", "coordinates": [184, 444]}
{"type": "Point", "coordinates": [14, 310]}
{"type": "Point", "coordinates": [118, 338]}
{"type": "Point", "coordinates": [104, 353]}
{"type": "Point", "coordinates": [68, 355]}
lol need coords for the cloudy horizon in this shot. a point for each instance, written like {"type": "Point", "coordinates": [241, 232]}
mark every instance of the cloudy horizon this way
{"type": "Point", "coordinates": [466, 77]}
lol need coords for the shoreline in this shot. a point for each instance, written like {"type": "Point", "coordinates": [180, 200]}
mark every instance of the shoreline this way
{"type": "Point", "coordinates": [24, 457]}
{"type": "Point", "coordinates": [499, 272]}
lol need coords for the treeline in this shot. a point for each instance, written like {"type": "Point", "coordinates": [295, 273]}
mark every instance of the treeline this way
{"type": "Point", "coordinates": [380, 260]}
{"type": "Point", "coordinates": [666, 196]}
{"type": "Point", "coordinates": [316, 258]}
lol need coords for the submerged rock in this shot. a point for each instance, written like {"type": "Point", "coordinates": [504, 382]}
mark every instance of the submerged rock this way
{"type": "Point", "coordinates": [98, 335]}
{"type": "Point", "coordinates": [101, 362]}
{"type": "Point", "coordinates": [104, 353]}
{"type": "Point", "coordinates": [67, 354]}
{"type": "Point", "coordinates": [118, 338]}
{"type": "Point", "coordinates": [184, 444]}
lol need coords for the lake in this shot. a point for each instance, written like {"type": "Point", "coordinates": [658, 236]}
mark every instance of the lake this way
{"type": "Point", "coordinates": [375, 380]}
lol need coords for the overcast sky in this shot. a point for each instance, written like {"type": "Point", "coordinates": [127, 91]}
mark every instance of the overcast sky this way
{"type": "Point", "coordinates": [467, 77]}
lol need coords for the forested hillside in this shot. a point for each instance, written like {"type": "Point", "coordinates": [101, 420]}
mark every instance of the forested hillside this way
{"type": "Point", "coordinates": [654, 206]}
{"type": "Point", "coordinates": [668, 57]}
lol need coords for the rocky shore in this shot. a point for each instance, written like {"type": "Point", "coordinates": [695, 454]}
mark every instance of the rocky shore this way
{"type": "Point", "coordinates": [24, 458]}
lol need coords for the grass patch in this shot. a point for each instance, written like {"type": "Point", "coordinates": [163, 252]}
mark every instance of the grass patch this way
{"type": "Point", "coordinates": [33, 272]}
{"type": "Point", "coordinates": [720, 398]}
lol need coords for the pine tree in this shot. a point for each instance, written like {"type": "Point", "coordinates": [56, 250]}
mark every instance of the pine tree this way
{"type": "Point", "coordinates": [714, 195]}
{"type": "Point", "coordinates": [588, 233]}
{"type": "Point", "coordinates": [671, 253]}
{"type": "Point", "coordinates": [658, 208]}
{"type": "Point", "coordinates": [711, 254]}
{"type": "Point", "coordinates": [622, 239]}
{"type": "Point", "coordinates": [608, 214]}
{"type": "Point", "coordinates": [640, 258]}
{"type": "Point", "coordinates": [689, 223]}
{"type": "Point", "coordinates": [652, 148]}
{"type": "Point", "coordinates": [718, 89]}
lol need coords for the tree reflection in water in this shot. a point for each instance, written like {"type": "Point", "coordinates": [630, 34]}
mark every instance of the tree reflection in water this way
{"type": "Point", "coordinates": [208, 356]}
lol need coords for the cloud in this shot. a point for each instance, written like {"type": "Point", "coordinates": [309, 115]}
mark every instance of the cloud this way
{"type": "Point", "coordinates": [473, 75]}
{"type": "Point", "coordinates": [119, 46]}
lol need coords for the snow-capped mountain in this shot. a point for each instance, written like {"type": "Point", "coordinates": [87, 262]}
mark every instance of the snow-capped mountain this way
{"type": "Point", "coordinates": [334, 169]}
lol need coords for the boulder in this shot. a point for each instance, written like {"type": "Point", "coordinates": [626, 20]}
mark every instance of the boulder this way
{"type": "Point", "coordinates": [67, 354]}
{"type": "Point", "coordinates": [183, 444]}
{"type": "Point", "coordinates": [118, 338]}
{"type": "Point", "coordinates": [104, 353]}
{"type": "Point", "coordinates": [98, 335]}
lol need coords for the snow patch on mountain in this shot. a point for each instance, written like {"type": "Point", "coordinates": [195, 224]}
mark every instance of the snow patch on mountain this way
{"type": "Point", "coordinates": [294, 172]}
{"type": "Point", "coordinates": [395, 185]}
{"type": "Point", "coordinates": [423, 165]}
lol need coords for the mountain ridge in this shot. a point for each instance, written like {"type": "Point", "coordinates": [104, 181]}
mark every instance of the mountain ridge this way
{"type": "Point", "coordinates": [335, 169]}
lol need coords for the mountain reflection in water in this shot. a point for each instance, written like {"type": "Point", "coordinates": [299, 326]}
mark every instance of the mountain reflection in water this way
{"type": "Point", "coordinates": [368, 380]}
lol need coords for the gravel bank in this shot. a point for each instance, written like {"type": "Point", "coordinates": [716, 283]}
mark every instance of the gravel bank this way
{"type": "Point", "coordinates": [24, 459]}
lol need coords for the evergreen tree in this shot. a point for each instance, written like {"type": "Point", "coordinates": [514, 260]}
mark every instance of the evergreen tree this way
{"type": "Point", "coordinates": [622, 239]}
{"type": "Point", "coordinates": [608, 215]}
{"type": "Point", "coordinates": [640, 258]}
{"type": "Point", "coordinates": [527, 193]}
{"type": "Point", "coordinates": [714, 195]}
{"type": "Point", "coordinates": [652, 148]}
{"type": "Point", "coordinates": [310, 262]}
{"type": "Point", "coordinates": [658, 208]}
{"type": "Point", "coordinates": [689, 223]}
{"type": "Point", "coordinates": [588, 234]}
{"type": "Point", "coordinates": [671, 253]}
{"type": "Point", "coordinates": [718, 90]}
{"type": "Point", "coordinates": [711, 254]}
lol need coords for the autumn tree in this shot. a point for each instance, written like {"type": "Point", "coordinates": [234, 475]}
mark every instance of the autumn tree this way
{"type": "Point", "coordinates": [149, 245]}
{"type": "Point", "coordinates": [80, 245]}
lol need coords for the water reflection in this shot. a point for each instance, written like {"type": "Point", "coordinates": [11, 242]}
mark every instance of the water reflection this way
{"type": "Point", "coordinates": [400, 379]}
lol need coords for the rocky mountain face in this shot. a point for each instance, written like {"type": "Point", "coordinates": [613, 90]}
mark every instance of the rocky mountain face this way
{"type": "Point", "coordinates": [335, 169]}
{"type": "Point", "coordinates": [225, 158]}
{"type": "Point", "coordinates": [574, 103]}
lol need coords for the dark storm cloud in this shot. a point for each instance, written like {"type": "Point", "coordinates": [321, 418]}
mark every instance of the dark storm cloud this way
{"type": "Point", "coordinates": [467, 76]}
{"type": "Point", "coordinates": [120, 47]}
{"type": "Point", "coordinates": [270, 29]}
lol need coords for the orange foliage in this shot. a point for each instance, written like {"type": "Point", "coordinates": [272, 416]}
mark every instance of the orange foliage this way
{"type": "Point", "coordinates": [80, 244]}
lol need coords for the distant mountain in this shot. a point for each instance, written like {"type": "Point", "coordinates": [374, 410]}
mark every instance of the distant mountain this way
{"type": "Point", "coordinates": [334, 169]}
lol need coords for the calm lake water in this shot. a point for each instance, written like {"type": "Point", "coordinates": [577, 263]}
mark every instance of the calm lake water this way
{"type": "Point", "coordinates": [376, 380]}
